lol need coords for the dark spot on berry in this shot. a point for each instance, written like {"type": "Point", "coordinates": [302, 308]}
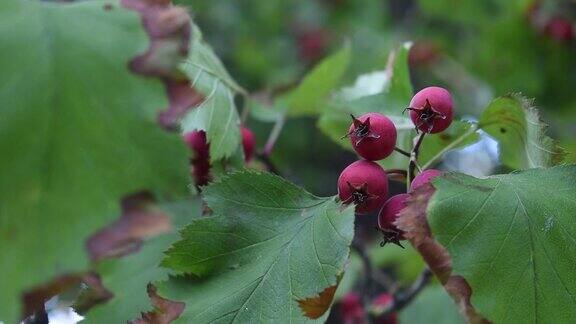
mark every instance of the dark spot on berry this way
{"type": "Point", "coordinates": [502, 130]}
{"type": "Point", "coordinates": [108, 7]}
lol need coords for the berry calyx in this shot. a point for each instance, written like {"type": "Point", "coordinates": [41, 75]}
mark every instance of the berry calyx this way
{"type": "Point", "coordinates": [196, 141]}
{"type": "Point", "coordinates": [373, 136]}
{"type": "Point", "coordinates": [248, 143]}
{"type": "Point", "coordinates": [424, 177]}
{"type": "Point", "coordinates": [351, 309]}
{"type": "Point", "coordinates": [431, 110]}
{"type": "Point", "coordinates": [388, 215]}
{"type": "Point", "coordinates": [365, 184]}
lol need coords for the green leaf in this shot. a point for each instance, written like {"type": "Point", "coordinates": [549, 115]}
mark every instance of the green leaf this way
{"type": "Point", "coordinates": [270, 244]}
{"type": "Point", "coordinates": [77, 132]}
{"type": "Point", "coordinates": [217, 114]}
{"type": "Point", "coordinates": [309, 98]}
{"type": "Point", "coordinates": [127, 277]}
{"type": "Point", "coordinates": [516, 124]}
{"type": "Point", "coordinates": [264, 112]}
{"type": "Point", "coordinates": [432, 305]}
{"type": "Point", "coordinates": [512, 238]}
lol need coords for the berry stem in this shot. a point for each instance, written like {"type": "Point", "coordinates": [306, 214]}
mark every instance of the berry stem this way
{"type": "Point", "coordinates": [414, 159]}
{"type": "Point", "coordinates": [274, 134]}
{"type": "Point", "coordinates": [403, 298]}
{"type": "Point", "coordinates": [401, 151]}
{"type": "Point", "coordinates": [245, 109]}
{"type": "Point", "coordinates": [397, 171]}
{"type": "Point", "coordinates": [450, 146]}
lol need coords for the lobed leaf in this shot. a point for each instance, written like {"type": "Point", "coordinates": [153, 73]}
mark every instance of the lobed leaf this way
{"type": "Point", "coordinates": [511, 237]}
{"type": "Point", "coordinates": [270, 246]}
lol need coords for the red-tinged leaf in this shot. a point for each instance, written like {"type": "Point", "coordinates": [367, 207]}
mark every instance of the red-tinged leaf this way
{"type": "Point", "coordinates": [315, 307]}
{"type": "Point", "coordinates": [95, 138]}
{"type": "Point", "coordinates": [413, 222]}
{"type": "Point", "coordinates": [182, 97]}
{"type": "Point", "coordinates": [165, 310]}
{"type": "Point", "coordinates": [34, 299]}
{"type": "Point", "coordinates": [168, 28]}
{"type": "Point", "coordinates": [139, 220]}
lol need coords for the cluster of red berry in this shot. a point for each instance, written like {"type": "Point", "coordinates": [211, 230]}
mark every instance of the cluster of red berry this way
{"type": "Point", "coordinates": [196, 141]}
{"type": "Point", "coordinates": [373, 136]}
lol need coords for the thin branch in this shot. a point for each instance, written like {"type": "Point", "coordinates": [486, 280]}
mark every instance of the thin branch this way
{"type": "Point", "coordinates": [414, 159]}
{"type": "Point", "coordinates": [367, 277]}
{"type": "Point", "coordinates": [371, 272]}
{"type": "Point", "coordinates": [450, 146]}
{"type": "Point", "coordinates": [402, 299]}
{"type": "Point", "coordinates": [401, 151]}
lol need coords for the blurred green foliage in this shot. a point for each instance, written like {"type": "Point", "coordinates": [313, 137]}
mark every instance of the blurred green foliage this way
{"type": "Point", "coordinates": [478, 49]}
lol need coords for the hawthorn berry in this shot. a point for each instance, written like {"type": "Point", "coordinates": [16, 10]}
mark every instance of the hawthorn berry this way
{"type": "Point", "coordinates": [388, 215]}
{"type": "Point", "coordinates": [380, 303]}
{"type": "Point", "coordinates": [560, 29]}
{"type": "Point", "coordinates": [424, 178]}
{"type": "Point", "coordinates": [431, 109]}
{"type": "Point", "coordinates": [351, 309]}
{"type": "Point", "coordinates": [248, 143]}
{"type": "Point", "coordinates": [196, 141]}
{"type": "Point", "coordinates": [365, 184]}
{"type": "Point", "coordinates": [373, 136]}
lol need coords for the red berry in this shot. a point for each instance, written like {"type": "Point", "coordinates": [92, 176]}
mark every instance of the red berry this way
{"type": "Point", "coordinates": [431, 109]}
{"type": "Point", "coordinates": [365, 184]}
{"type": "Point", "coordinates": [423, 53]}
{"type": "Point", "coordinates": [388, 215]}
{"type": "Point", "coordinates": [312, 45]}
{"type": "Point", "coordinates": [424, 178]}
{"type": "Point", "coordinates": [196, 141]}
{"type": "Point", "coordinates": [248, 143]}
{"type": "Point", "coordinates": [560, 29]}
{"type": "Point", "coordinates": [351, 309]}
{"type": "Point", "coordinates": [382, 302]}
{"type": "Point", "coordinates": [373, 136]}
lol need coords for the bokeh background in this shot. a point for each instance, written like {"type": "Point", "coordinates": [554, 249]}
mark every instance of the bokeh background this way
{"type": "Point", "coordinates": [477, 49]}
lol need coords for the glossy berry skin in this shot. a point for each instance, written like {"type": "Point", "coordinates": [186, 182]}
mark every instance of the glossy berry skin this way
{"type": "Point", "coordinates": [560, 29]}
{"type": "Point", "coordinates": [365, 184]}
{"type": "Point", "coordinates": [424, 177]}
{"type": "Point", "coordinates": [196, 141]}
{"type": "Point", "coordinates": [382, 302]}
{"type": "Point", "coordinates": [431, 110]}
{"type": "Point", "coordinates": [373, 136]}
{"type": "Point", "coordinates": [388, 215]}
{"type": "Point", "coordinates": [351, 309]}
{"type": "Point", "coordinates": [248, 143]}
